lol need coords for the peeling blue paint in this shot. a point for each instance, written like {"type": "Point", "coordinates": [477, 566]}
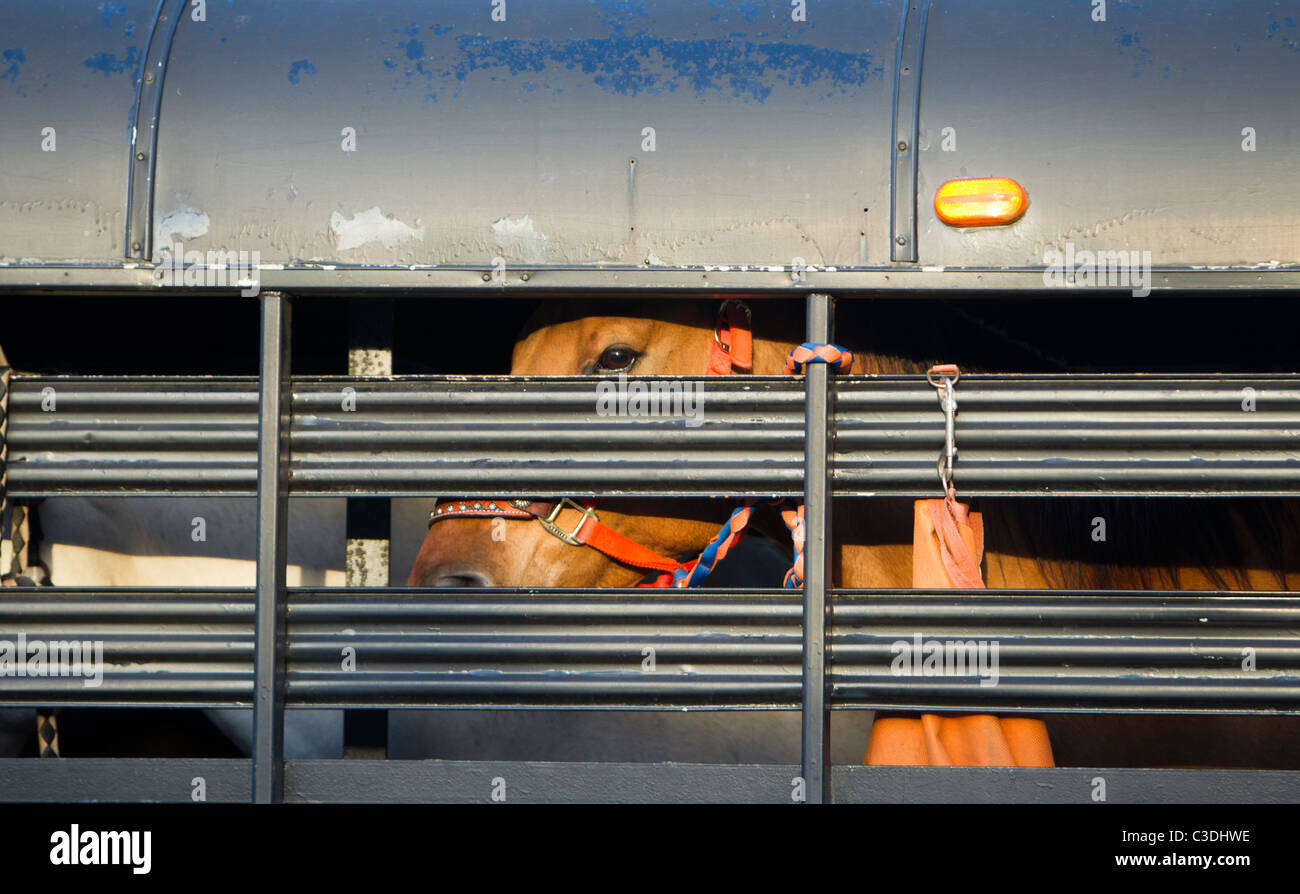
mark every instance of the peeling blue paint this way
{"type": "Point", "coordinates": [110, 65]}
{"type": "Point", "coordinates": [108, 10]}
{"type": "Point", "coordinates": [414, 49]}
{"type": "Point", "coordinates": [410, 31]}
{"type": "Point", "coordinates": [748, 10]}
{"type": "Point", "coordinates": [1142, 60]}
{"type": "Point", "coordinates": [390, 64]}
{"type": "Point", "coordinates": [629, 66]}
{"type": "Point", "coordinates": [615, 14]}
{"type": "Point", "coordinates": [1274, 29]}
{"type": "Point", "coordinates": [15, 57]}
{"type": "Point", "coordinates": [443, 29]}
{"type": "Point", "coordinates": [302, 66]}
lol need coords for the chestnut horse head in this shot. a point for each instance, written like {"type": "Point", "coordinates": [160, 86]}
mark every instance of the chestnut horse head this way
{"type": "Point", "coordinates": [601, 338]}
{"type": "Point", "coordinates": [1223, 544]}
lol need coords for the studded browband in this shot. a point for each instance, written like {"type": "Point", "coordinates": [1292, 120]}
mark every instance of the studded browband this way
{"type": "Point", "coordinates": [587, 531]}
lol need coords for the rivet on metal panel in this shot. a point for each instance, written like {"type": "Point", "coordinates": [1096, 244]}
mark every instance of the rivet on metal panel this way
{"type": "Point", "coordinates": [140, 156]}
{"type": "Point", "coordinates": [902, 146]}
{"type": "Point", "coordinates": [901, 240]}
{"type": "Point", "coordinates": [487, 277]}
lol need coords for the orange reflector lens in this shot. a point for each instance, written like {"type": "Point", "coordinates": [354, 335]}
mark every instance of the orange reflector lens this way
{"type": "Point", "coordinates": [980, 202]}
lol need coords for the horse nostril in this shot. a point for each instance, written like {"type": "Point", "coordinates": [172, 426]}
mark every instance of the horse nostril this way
{"type": "Point", "coordinates": [462, 579]}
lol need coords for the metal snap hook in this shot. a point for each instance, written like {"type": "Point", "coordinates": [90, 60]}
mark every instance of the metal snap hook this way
{"type": "Point", "coordinates": [948, 374]}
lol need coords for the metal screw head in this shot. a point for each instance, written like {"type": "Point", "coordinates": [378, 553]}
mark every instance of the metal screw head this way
{"type": "Point", "coordinates": [487, 277]}
{"type": "Point", "coordinates": [139, 156]}
{"type": "Point", "coordinates": [136, 246]}
{"type": "Point", "coordinates": [901, 240]}
{"type": "Point", "coordinates": [902, 146]}
{"type": "Point", "coordinates": [148, 77]}
{"type": "Point", "coordinates": [525, 276]}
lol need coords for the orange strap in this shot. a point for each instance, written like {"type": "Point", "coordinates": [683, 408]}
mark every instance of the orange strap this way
{"type": "Point", "coordinates": [592, 532]}
{"type": "Point", "coordinates": [732, 348]}
{"type": "Point", "coordinates": [623, 549]}
{"type": "Point", "coordinates": [948, 544]}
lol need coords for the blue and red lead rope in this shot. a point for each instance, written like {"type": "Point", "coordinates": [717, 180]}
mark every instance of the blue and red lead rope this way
{"type": "Point", "coordinates": [693, 574]}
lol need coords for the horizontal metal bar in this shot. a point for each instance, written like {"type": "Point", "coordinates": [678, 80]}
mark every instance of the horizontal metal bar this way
{"type": "Point", "coordinates": [158, 780]}
{"type": "Point", "coordinates": [85, 780]}
{"type": "Point", "coordinates": [687, 280]}
{"type": "Point", "coordinates": [503, 436]}
{"type": "Point", "coordinates": [470, 782]}
{"type": "Point", "coordinates": [1052, 651]}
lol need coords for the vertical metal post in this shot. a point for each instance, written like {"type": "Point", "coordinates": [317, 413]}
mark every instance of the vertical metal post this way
{"type": "Point", "coordinates": [369, 534]}
{"type": "Point", "coordinates": [815, 735]}
{"type": "Point", "coordinates": [272, 519]}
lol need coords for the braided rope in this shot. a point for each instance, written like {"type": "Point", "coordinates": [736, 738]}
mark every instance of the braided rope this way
{"type": "Point", "coordinates": [839, 359]}
{"type": "Point", "coordinates": [727, 537]}
{"type": "Point", "coordinates": [693, 574]}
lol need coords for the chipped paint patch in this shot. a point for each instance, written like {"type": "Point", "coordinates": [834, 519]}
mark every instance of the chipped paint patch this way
{"type": "Point", "coordinates": [109, 64]}
{"type": "Point", "coordinates": [14, 58]}
{"type": "Point", "coordinates": [519, 239]}
{"type": "Point", "coordinates": [299, 68]}
{"type": "Point", "coordinates": [183, 223]}
{"type": "Point", "coordinates": [107, 11]}
{"type": "Point", "coordinates": [368, 226]}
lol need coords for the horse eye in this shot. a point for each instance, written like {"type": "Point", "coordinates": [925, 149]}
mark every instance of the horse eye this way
{"type": "Point", "coordinates": [616, 358]}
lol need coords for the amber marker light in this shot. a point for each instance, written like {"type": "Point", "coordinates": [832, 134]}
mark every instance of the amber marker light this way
{"type": "Point", "coordinates": [980, 202]}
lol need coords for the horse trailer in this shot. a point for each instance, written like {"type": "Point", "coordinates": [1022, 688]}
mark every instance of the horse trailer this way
{"type": "Point", "coordinates": [278, 254]}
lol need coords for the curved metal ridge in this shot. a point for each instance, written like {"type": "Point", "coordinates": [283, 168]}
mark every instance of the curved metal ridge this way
{"type": "Point", "coordinates": [1057, 651]}
{"type": "Point", "coordinates": [500, 436]}
{"type": "Point", "coordinates": [906, 130]}
{"type": "Point", "coordinates": [144, 141]}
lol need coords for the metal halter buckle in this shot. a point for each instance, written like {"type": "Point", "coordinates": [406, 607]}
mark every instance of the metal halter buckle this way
{"type": "Point", "coordinates": [549, 522]}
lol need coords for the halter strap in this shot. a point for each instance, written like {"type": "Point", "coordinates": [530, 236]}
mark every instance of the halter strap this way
{"type": "Point", "coordinates": [589, 530]}
{"type": "Point", "coordinates": [731, 351]}
{"type": "Point", "coordinates": [732, 348]}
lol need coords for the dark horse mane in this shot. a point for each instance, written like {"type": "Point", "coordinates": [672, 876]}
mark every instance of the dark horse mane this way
{"type": "Point", "coordinates": [1148, 539]}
